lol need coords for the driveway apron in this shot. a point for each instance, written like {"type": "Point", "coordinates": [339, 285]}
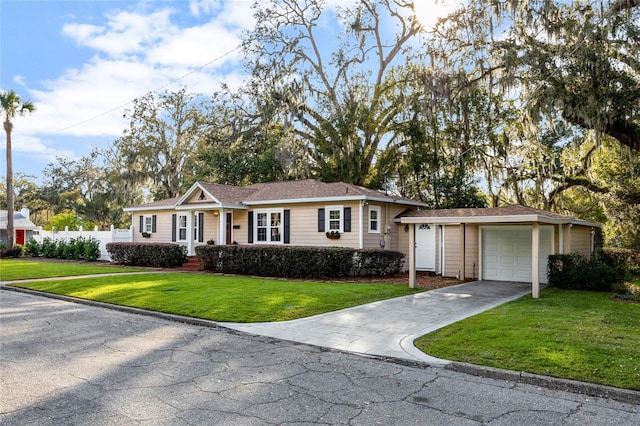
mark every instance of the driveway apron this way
{"type": "Point", "coordinates": [389, 327]}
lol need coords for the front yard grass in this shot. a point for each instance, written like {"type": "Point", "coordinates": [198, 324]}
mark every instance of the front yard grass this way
{"type": "Point", "coordinates": [222, 298]}
{"type": "Point", "coordinates": [580, 335]}
{"type": "Point", "coordinates": [18, 269]}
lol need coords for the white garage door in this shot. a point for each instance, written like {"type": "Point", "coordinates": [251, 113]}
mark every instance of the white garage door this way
{"type": "Point", "coordinates": [425, 247]}
{"type": "Point", "coordinates": [506, 253]}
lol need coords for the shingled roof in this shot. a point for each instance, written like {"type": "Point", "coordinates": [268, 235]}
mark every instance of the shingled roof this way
{"type": "Point", "coordinates": [280, 192]}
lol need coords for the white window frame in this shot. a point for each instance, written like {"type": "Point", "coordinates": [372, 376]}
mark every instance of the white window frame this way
{"type": "Point", "coordinates": [147, 221]}
{"type": "Point", "coordinates": [327, 218]}
{"type": "Point", "coordinates": [269, 227]}
{"type": "Point", "coordinates": [181, 227]}
{"type": "Point", "coordinates": [377, 220]}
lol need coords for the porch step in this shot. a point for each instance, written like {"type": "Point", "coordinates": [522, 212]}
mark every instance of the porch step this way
{"type": "Point", "coordinates": [192, 264]}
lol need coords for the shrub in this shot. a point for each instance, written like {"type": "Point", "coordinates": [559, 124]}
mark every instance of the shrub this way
{"type": "Point", "coordinates": [626, 259]}
{"type": "Point", "coordinates": [299, 262]}
{"type": "Point", "coordinates": [33, 248]}
{"type": "Point", "coordinates": [16, 251]}
{"type": "Point", "coordinates": [574, 271]}
{"type": "Point", "coordinates": [160, 255]}
{"type": "Point", "coordinates": [74, 249]}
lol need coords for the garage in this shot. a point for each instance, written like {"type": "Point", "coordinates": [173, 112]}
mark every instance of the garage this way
{"type": "Point", "coordinates": [506, 253]}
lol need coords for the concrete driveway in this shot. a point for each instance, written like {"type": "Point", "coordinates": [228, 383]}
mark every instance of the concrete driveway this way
{"type": "Point", "coordinates": [389, 327]}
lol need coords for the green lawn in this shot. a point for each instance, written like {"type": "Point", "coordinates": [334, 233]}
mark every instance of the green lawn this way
{"type": "Point", "coordinates": [18, 269]}
{"type": "Point", "coordinates": [578, 335]}
{"type": "Point", "coordinates": [222, 298]}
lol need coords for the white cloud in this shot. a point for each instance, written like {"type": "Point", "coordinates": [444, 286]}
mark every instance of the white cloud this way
{"type": "Point", "coordinates": [144, 51]}
{"type": "Point", "coordinates": [125, 33]}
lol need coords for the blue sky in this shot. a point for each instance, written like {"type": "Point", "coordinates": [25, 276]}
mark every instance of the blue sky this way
{"type": "Point", "coordinates": [82, 62]}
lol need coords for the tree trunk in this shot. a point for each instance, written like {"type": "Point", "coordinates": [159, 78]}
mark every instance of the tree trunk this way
{"type": "Point", "coordinates": [10, 227]}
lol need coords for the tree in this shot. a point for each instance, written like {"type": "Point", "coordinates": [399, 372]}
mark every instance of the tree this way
{"type": "Point", "coordinates": [336, 105]}
{"type": "Point", "coordinates": [12, 106]}
{"type": "Point", "coordinates": [160, 147]}
{"type": "Point", "coordinates": [576, 61]}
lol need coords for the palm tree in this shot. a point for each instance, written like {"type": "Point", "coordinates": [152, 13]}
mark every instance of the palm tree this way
{"type": "Point", "coordinates": [12, 106]}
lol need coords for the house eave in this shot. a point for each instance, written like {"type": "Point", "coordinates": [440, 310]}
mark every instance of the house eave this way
{"type": "Point", "coordinates": [382, 199]}
{"type": "Point", "coordinates": [211, 206]}
{"type": "Point", "coordinates": [147, 208]}
{"type": "Point", "coordinates": [491, 219]}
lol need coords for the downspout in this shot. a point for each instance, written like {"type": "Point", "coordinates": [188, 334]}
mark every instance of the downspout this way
{"type": "Point", "coordinates": [361, 226]}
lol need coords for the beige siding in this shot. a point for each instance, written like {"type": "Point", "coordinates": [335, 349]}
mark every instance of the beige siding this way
{"type": "Point", "coordinates": [240, 218]}
{"type": "Point", "coordinates": [581, 240]}
{"type": "Point", "coordinates": [472, 251]}
{"type": "Point", "coordinates": [451, 251]}
{"type": "Point", "coordinates": [372, 239]}
{"type": "Point", "coordinates": [163, 226]}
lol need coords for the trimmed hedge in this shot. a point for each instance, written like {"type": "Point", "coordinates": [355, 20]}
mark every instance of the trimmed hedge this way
{"type": "Point", "coordinates": [75, 249]}
{"type": "Point", "coordinates": [626, 259]}
{"type": "Point", "coordinates": [573, 271]}
{"type": "Point", "coordinates": [16, 251]}
{"type": "Point", "coordinates": [299, 262]}
{"type": "Point", "coordinates": [159, 255]}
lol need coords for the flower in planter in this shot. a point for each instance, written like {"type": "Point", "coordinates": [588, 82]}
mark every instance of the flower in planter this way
{"type": "Point", "coordinates": [333, 235]}
{"type": "Point", "coordinates": [146, 235]}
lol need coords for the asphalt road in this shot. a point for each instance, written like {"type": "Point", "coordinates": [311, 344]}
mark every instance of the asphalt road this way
{"type": "Point", "coordinates": [64, 363]}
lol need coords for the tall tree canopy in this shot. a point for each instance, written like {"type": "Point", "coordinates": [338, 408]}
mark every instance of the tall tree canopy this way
{"type": "Point", "coordinates": [333, 102]}
{"type": "Point", "coordinates": [160, 147]}
{"type": "Point", "coordinates": [11, 106]}
{"type": "Point", "coordinates": [574, 60]}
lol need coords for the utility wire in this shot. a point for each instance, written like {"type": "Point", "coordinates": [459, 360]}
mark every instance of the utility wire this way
{"type": "Point", "coordinates": [200, 68]}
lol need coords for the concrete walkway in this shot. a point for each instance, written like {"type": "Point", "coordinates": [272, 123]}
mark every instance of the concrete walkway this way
{"type": "Point", "coordinates": [389, 327]}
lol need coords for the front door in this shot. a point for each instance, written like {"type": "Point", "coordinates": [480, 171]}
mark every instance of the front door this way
{"type": "Point", "coordinates": [229, 227]}
{"type": "Point", "coordinates": [425, 247]}
{"type": "Point", "coordinates": [20, 236]}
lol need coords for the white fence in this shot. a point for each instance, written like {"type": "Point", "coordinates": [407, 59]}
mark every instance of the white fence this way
{"type": "Point", "coordinates": [111, 236]}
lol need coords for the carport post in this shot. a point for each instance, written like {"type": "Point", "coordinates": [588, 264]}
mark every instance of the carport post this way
{"type": "Point", "coordinates": [412, 255]}
{"type": "Point", "coordinates": [535, 260]}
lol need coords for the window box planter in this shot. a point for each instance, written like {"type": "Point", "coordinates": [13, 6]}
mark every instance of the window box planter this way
{"type": "Point", "coordinates": [146, 235]}
{"type": "Point", "coordinates": [332, 235]}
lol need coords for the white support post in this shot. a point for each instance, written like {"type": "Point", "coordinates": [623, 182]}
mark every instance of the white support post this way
{"type": "Point", "coordinates": [131, 233]}
{"type": "Point", "coordinates": [361, 226]}
{"type": "Point", "coordinates": [222, 227]}
{"type": "Point", "coordinates": [190, 244]}
{"type": "Point", "coordinates": [535, 260]}
{"type": "Point", "coordinates": [412, 255]}
{"type": "Point", "coordinates": [560, 239]}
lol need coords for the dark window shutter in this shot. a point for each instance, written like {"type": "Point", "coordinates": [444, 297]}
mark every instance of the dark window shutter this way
{"type": "Point", "coordinates": [347, 219]}
{"type": "Point", "coordinates": [200, 227]}
{"type": "Point", "coordinates": [321, 220]}
{"type": "Point", "coordinates": [287, 226]}
{"type": "Point", "coordinates": [153, 223]}
{"type": "Point", "coordinates": [174, 223]}
{"type": "Point", "coordinates": [141, 224]}
{"type": "Point", "coordinates": [250, 230]}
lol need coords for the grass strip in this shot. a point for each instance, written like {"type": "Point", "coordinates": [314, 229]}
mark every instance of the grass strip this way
{"type": "Point", "coordinates": [580, 335]}
{"type": "Point", "coordinates": [19, 269]}
{"type": "Point", "coordinates": [222, 298]}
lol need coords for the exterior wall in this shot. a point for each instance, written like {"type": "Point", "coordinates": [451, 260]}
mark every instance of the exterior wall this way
{"type": "Point", "coordinates": [451, 251]}
{"type": "Point", "coordinates": [372, 239]}
{"type": "Point", "coordinates": [581, 240]}
{"type": "Point", "coordinates": [163, 226]}
{"type": "Point", "coordinates": [472, 251]}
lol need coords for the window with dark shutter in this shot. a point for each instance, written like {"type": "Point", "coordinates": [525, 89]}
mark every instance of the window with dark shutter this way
{"type": "Point", "coordinates": [153, 223]}
{"type": "Point", "coordinates": [347, 219]}
{"type": "Point", "coordinates": [321, 227]}
{"type": "Point", "coordinates": [287, 226]}
{"type": "Point", "coordinates": [250, 230]}
{"type": "Point", "coordinates": [174, 225]}
{"type": "Point", "coordinates": [141, 224]}
{"type": "Point", "coordinates": [200, 227]}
